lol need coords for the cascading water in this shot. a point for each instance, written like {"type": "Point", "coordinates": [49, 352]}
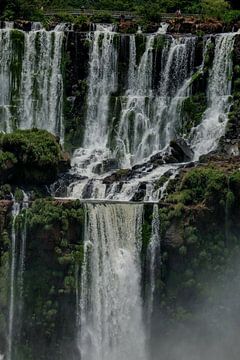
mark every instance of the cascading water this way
{"type": "Point", "coordinates": [15, 213]}
{"type": "Point", "coordinates": [18, 252]}
{"type": "Point", "coordinates": [21, 265]}
{"type": "Point", "coordinates": [153, 260]}
{"type": "Point", "coordinates": [207, 134]}
{"type": "Point", "coordinates": [102, 82]}
{"type": "Point", "coordinates": [41, 85]}
{"type": "Point", "coordinates": [111, 324]}
{"type": "Point", "coordinates": [150, 117]}
{"type": "Point", "coordinates": [31, 93]}
{"type": "Point", "coordinates": [147, 119]}
{"type": "Point", "coordinates": [5, 79]}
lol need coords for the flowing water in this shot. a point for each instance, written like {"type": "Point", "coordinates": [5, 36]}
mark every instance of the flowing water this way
{"type": "Point", "coordinates": [150, 117]}
{"type": "Point", "coordinates": [31, 93]}
{"type": "Point", "coordinates": [102, 82]}
{"type": "Point", "coordinates": [111, 319]}
{"type": "Point", "coordinates": [110, 312]}
{"type": "Point", "coordinates": [5, 79]}
{"type": "Point", "coordinates": [154, 260]}
{"type": "Point", "coordinates": [212, 127]}
{"type": "Point", "coordinates": [15, 213]}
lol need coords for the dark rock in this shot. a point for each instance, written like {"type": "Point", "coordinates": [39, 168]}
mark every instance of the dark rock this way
{"type": "Point", "coordinates": [59, 187]}
{"type": "Point", "coordinates": [106, 166]}
{"type": "Point", "coordinates": [87, 191]}
{"type": "Point", "coordinates": [140, 193]}
{"type": "Point", "coordinates": [120, 175]}
{"type": "Point", "coordinates": [181, 150]}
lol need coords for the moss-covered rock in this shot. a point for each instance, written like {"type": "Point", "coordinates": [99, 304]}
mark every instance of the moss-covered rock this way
{"type": "Point", "coordinates": [30, 156]}
{"type": "Point", "coordinates": [200, 244]}
{"type": "Point", "coordinates": [54, 254]}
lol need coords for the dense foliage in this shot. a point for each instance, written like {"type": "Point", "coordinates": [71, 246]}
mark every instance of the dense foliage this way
{"type": "Point", "coordinates": [35, 8]}
{"type": "Point", "coordinates": [29, 155]}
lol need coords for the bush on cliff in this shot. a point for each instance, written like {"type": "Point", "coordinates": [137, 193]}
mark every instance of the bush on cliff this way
{"type": "Point", "coordinates": [32, 156]}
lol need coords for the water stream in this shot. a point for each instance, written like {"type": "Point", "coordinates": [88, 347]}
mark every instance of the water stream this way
{"type": "Point", "coordinates": [111, 319]}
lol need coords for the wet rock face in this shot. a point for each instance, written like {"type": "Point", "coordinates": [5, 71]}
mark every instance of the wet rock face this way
{"type": "Point", "coordinates": [75, 98]}
{"type": "Point", "coordinates": [106, 166]}
{"type": "Point", "coordinates": [5, 209]}
{"type": "Point", "coordinates": [180, 150]}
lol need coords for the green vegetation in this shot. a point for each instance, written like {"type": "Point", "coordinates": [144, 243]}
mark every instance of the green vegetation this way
{"type": "Point", "coordinates": [200, 239]}
{"type": "Point", "coordinates": [54, 253]}
{"type": "Point", "coordinates": [29, 155]}
{"type": "Point", "coordinates": [192, 111]}
{"type": "Point", "coordinates": [55, 250]}
{"type": "Point", "coordinates": [150, 10]}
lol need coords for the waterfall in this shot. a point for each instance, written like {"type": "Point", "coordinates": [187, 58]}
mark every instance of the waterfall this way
{"type": "Point", "coordinates": [15, 212]}
{"type": "Point", "coordinates": [132, 62]}
{"type": "Point", "coordinates": [205, 136]}
{"type": "Point", "coordinates": [153, 260]}
{"type": "Point", "coordinates": [31, 93]}
{"type": "Point", "coordinates": [5, 79]}
{"type": "Point", "coordinates": [21, 265]}
{"type": "Point", "coordinates": [148, 121]}
{"type": "Point", "coordinates": [42, 85]}
{"type": "Point", "coordinates": [148, 117]}
{"type": "Point", "coordinates": [134, 121]}
{"type": "Point", "coordinates": [102, 82]}
{"type": "Point", "coordinates": [111, 325]}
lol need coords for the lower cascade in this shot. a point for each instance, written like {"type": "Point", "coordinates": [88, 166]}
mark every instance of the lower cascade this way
{"type": "Point", "coordinates": [111, 317]}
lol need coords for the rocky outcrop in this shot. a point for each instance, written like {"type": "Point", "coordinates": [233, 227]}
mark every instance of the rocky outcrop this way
{"type": "Point", "coordinates": [180, 150]}
{"type": "Point", "coordinates": [31, 156]}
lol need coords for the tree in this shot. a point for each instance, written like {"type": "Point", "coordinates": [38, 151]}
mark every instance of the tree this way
{"type": "Point", "coordinates": [216, 8]}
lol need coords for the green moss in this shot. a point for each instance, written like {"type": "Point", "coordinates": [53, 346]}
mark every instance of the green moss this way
{"type": "Point", "coordinates": [35, 155]}
{"type": "Point", "coordinates": [54, 255]}
{"type": "Point", "coordinates": [201, 184]}
{"type": "Point", "coordinates": [192, 111]}
{"type": "Point", "coordinates": [7, 159]}
{"type": "Point", "coordinates": [159, 42]}
{"type": "Point", "coordinates": [18, 195]}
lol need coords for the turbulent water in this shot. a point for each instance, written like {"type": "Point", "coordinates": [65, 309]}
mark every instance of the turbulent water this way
{"type": "Point", "coordinates": [147, 113]}
{"type": "Point", "coordinates": [150, 114]}
{"type": "Point", "coordinates": [111, 320]}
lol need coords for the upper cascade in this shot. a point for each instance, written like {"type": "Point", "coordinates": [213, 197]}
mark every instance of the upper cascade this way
{"type": "Point", "coordinates": [137, 92]}
{"type": "Point", "coordinates": [148, 116]}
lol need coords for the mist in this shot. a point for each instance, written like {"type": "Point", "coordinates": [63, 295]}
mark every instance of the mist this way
{"type": "Point", "coordinates": [210, 331]}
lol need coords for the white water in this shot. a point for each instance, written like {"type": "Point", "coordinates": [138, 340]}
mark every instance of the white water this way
{"type": "Point", "coordinates": [154, 261]}
{"type": "Point", "coordinates": [207, 134]}
{"type": "Point", "coordinates": [42, 86]}
{"type": "Point", "coordinates": [150, 118]}
{"type": "Point", "coordinates": [39, 86]}
{"type": "Point", "coordinates": [150, 115]}
{"type": "Point", "coordinates": [102, 82]}
{"type": "Point", "coordinates": [5, 80]}
{"type": "Point", "coordinates": [111, 324]}
{"type": "Point", "coordinates": [15, 212]}
{"type": "Point", "coordinates": [22, 256]}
